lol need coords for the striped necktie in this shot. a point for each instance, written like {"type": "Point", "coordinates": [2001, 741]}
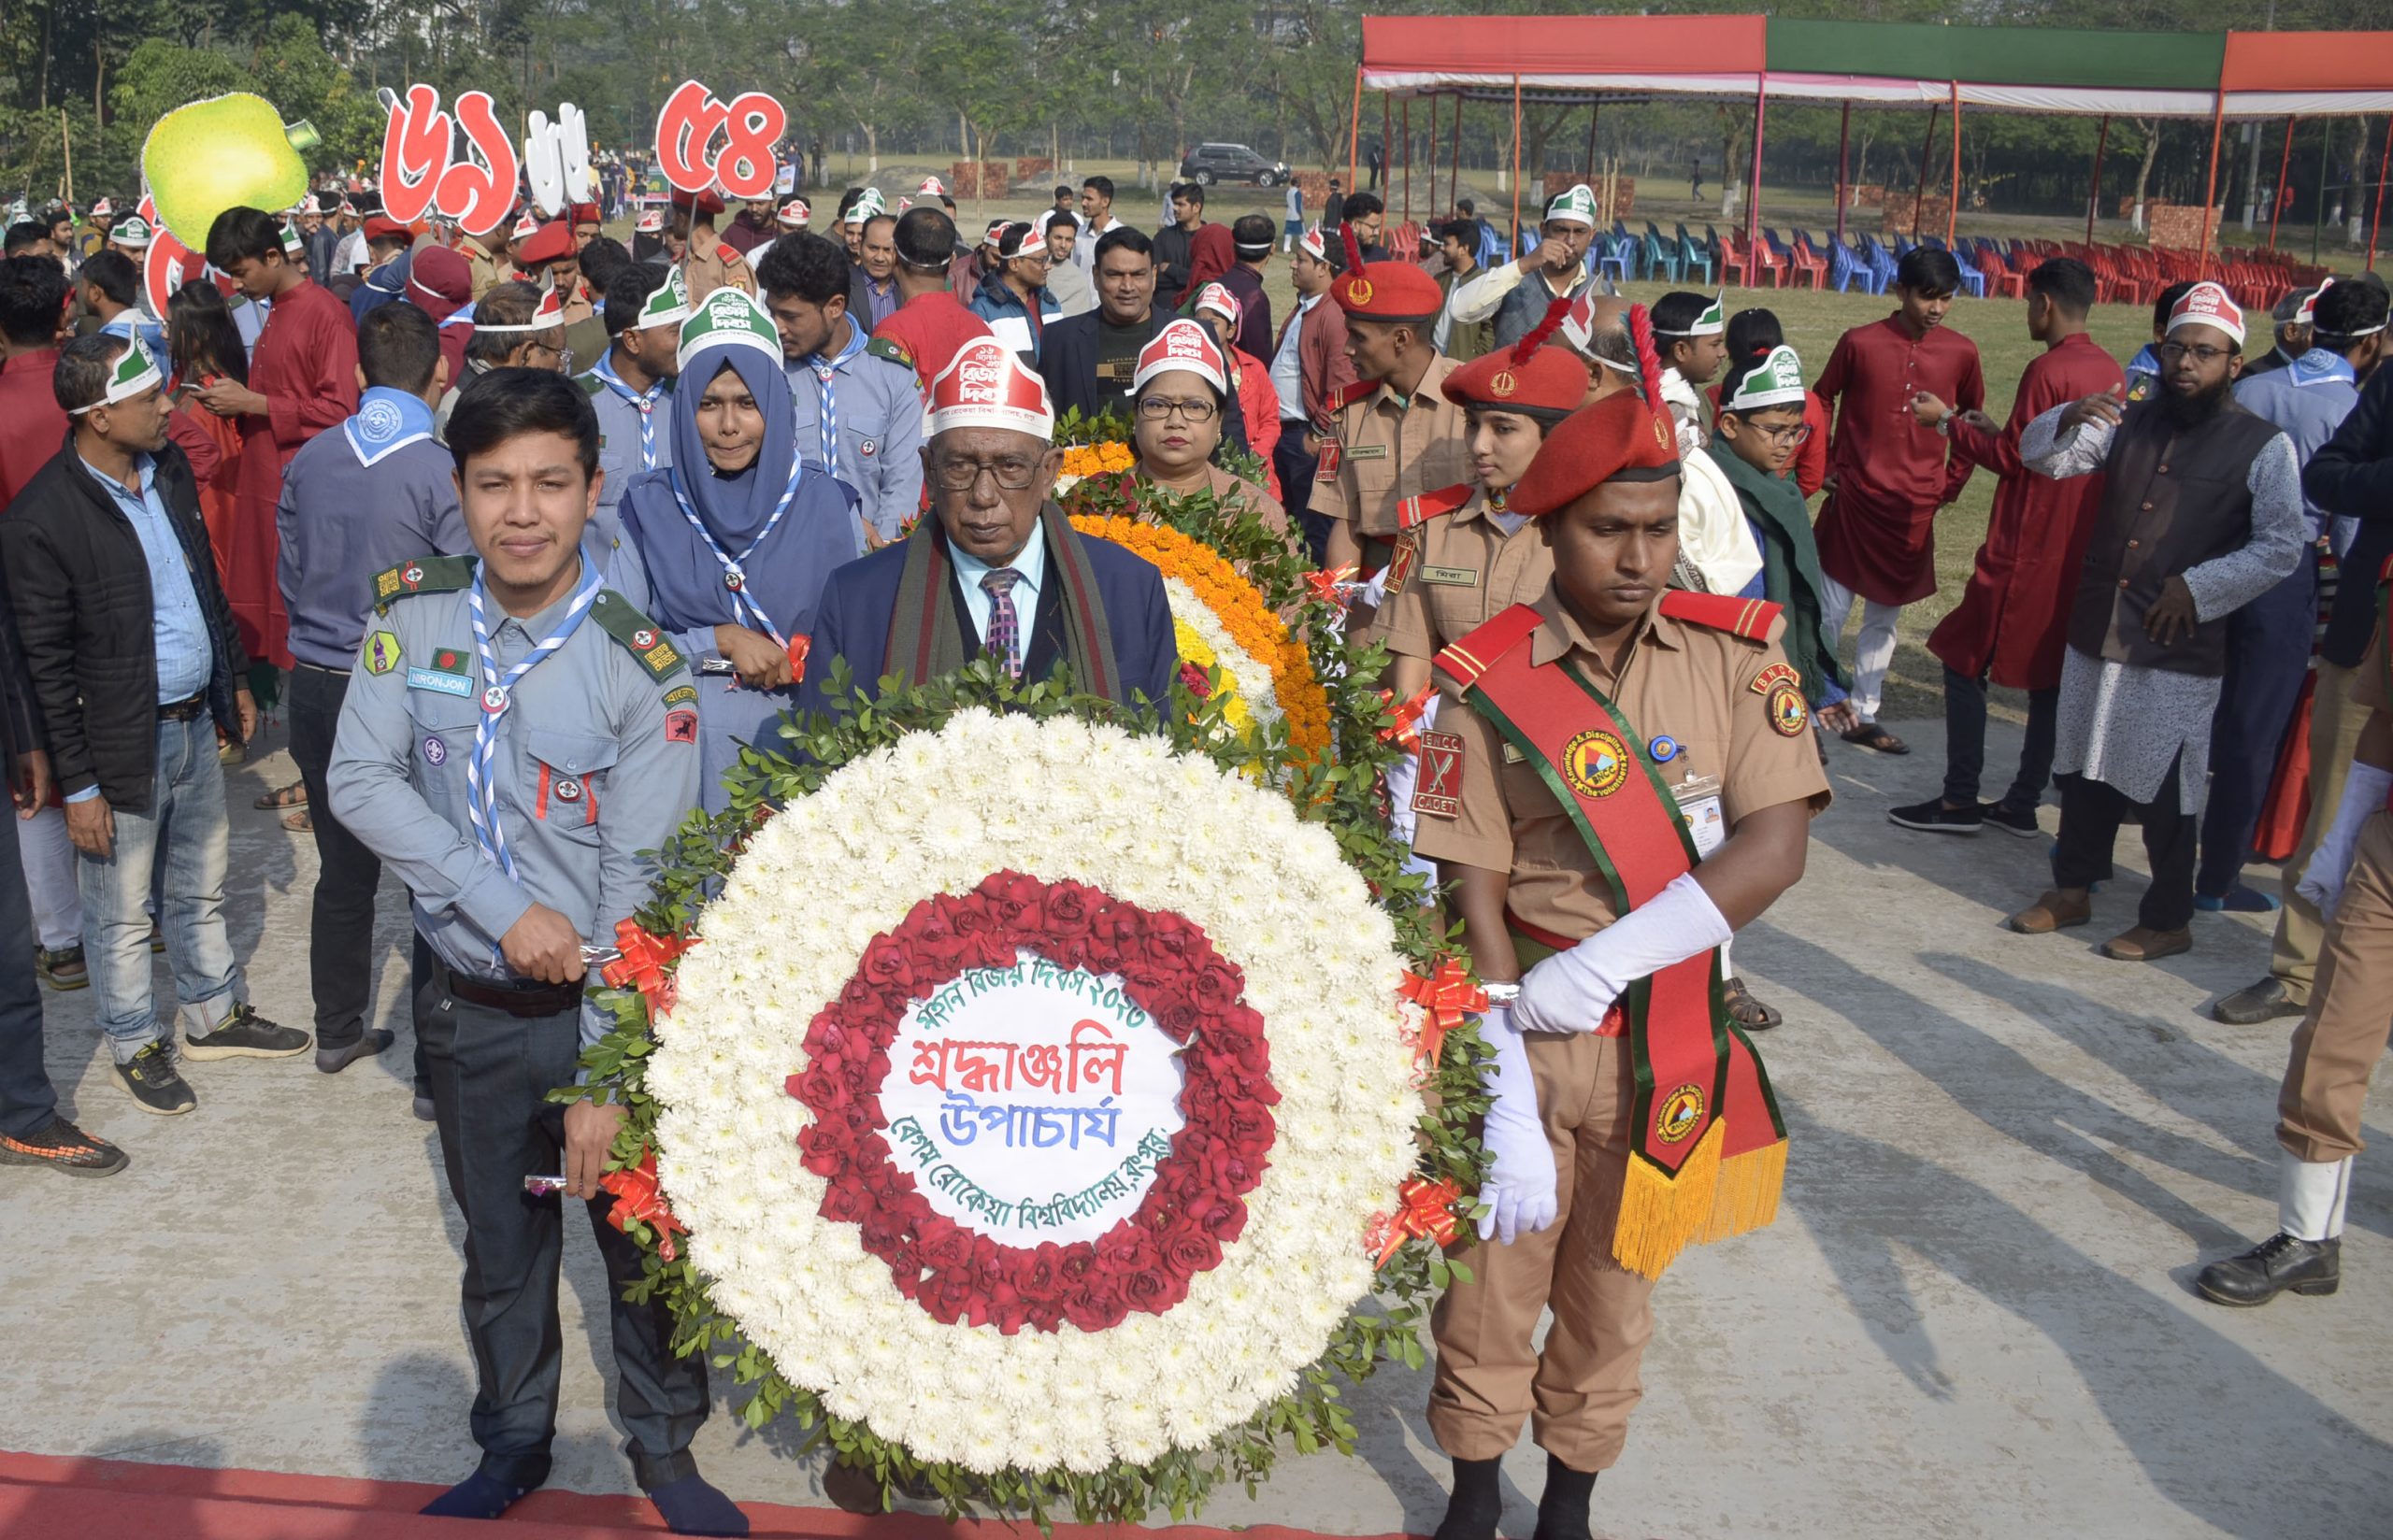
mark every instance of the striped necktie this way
{"type": "Point", "coordinates": [1005, 625]}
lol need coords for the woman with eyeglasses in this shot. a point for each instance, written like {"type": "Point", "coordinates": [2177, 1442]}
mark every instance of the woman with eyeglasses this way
{"type": "Point", "coordinates": [1180, 396]}
{"type": "Point", "coordinates": [728, 547]}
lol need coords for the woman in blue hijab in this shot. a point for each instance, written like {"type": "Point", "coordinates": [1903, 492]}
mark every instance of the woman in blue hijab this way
{"type": "Point", "coordinates": [728, 548]}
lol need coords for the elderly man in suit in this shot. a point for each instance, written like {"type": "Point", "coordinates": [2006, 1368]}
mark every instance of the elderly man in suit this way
{"type": "Point", "coordinates": [998, 569]}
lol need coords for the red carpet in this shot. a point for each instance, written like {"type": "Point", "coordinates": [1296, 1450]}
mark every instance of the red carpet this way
{"type": "Point", "coordinates": [45, 1497]}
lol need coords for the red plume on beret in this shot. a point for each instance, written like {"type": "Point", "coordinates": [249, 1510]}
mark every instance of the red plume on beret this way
{"type": "Point", "coordinates": [1524, 377]}
{"type": "Point", "coordinates": [1353, 248]}
{"type": "Point", "coordinates": [1528, 346]}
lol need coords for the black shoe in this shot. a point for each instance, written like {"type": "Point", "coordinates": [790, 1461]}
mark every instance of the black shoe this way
{"type": "Point", "coordinates": [245, 1035]}
{"type": "Point", "coordinates": [423, 1107]}
{"type": "Point", "coordinates": [2011, 821]}
{"type": "Point", "coordinates": [2259, 1002]}
{"type": "Point", "coordinates": [332, 1060]}
{"type": "Point", "coordinates": [1933, 818]}
{"type": "Point", "coordinates": [65, 1149]}
{"type": "Point", "coordinates": [2268, 1269]}
{"type": "Point", "coordinates": [151, 1078]}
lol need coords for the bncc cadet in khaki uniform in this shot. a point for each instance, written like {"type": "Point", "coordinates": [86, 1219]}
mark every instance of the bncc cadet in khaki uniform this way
{"type": "Point", "coordinates": [515, 734]}
{"type": "Point", "coordinates": [2343, 1035]}
{"type": "Point", "coordinates": [1622, 775]}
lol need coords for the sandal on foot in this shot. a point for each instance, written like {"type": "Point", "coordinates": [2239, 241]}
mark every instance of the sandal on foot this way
{"type": "Point", "coordinates": [293, 795]}
{"type": "Point", "coordinates": [1743, 1009]}
{"type": "Point", "coordinates": [1871, 735]}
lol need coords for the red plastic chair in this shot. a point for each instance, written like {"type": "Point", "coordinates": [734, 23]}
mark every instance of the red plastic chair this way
{"type": "Point", "coordinates": [1732, 263]}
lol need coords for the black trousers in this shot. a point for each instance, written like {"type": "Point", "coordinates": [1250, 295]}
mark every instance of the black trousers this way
{"type": "Point", "coordinates": [491, 1074]}
{"type": "Point", "coordinates": [27, 1099]}
{"type": "Point", "coordinates": [2267, 652]}
{"type": "Point", "coordinates": [2090, 816]}
{"type": "Point", "coordinates": [340, 924]}
{"type": "Point", "coordinates": [1296, 469]}
{"type": "Point", "coordinates": [1965, 743]}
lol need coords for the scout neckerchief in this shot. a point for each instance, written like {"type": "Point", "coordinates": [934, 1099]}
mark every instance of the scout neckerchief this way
{"type": "Point", "coordinates": [734, 577]}
{"type": "Point", "coordinates": [643, 402]}
{"type": "Point", "coordinates": [1708, 1152]}
{"type": "Point", "coordinates": [827, 419]}
{"type": "Point", "coordinates": [482, 780]}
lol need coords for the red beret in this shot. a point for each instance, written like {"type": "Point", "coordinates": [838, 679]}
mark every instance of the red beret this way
{"type": "Point", "coordinates": [585, 213]}
{"type": "Point", "coordinates": [1548, 379]}
{"type": "Point", "coordinates": [707, 202]}
{"type": "Point", "coordinates": [1387, 290]}
{"type": "Point", "coordinates": [552, 241]}
{"type": "Point", "coordinates": [383, 227]}
{"type": "Point", "coordinates": [1619, 439]}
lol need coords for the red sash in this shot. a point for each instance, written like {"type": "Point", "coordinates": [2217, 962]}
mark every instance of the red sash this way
{"type": "Point", "coordinates": [1710, 1150]}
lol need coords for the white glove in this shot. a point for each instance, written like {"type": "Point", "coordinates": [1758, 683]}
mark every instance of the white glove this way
{"type": "Point", "coordinates": [1569, 991]}
{"type": "Point", "coordinates": [2331, 864]}
{"type": "Point", "coordinates": [1520, 1187]}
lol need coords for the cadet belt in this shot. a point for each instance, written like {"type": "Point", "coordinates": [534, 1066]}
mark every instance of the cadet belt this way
{"type": "Point", "coordinates": [318, 668]}
{"type": "Point", "coordinates": [184, 710]}
{"type": "Point", "coordinates": [525, 998]}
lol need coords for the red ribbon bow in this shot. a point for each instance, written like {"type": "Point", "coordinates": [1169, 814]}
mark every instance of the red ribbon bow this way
{"type": "Point", "coordinates": [1406, 730]}
{"type": "Point", "coordinates": [1447, 994]}
{"type": "Point", "coordinates": [642, 964]}
{"type": "Point", "coordinates": [1424, 1209]}
{"type": "Point", "coordinates": [1325, 585]}
{"type": "Point", "coordinates": [799, 646]}
{"type": "Point", "coordinates": [638, 1197]}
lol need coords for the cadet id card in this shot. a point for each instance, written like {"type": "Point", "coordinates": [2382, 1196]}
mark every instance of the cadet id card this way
{"type": "Point", "coordinates": [1698, 800]}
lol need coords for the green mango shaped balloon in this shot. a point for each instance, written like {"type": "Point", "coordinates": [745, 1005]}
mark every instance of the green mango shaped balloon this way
{"type": "Point", "coordinates": [225, 152]}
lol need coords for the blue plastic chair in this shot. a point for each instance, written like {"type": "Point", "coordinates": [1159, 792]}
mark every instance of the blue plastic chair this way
{"type": "Point", "coordinates": [1694, 257]}
{"type": "Point", "coordinates": [1665, 257]}
{"type": "Point", "coordinates": [1972, 279]}
{"type": "Point", "coordinates": [1841, 272]}
{"type": "Point", "coordinates": [1617, 256]}
{"type": "Point", "coordinates": [1881, 264]}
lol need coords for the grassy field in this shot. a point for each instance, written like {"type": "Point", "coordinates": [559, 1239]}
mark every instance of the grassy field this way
{"type": "Point", "coordinates": [1813, 322]}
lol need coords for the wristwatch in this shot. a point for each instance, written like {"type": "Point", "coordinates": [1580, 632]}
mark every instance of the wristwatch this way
{"type": "Point", "coordinates": [1502, 994]}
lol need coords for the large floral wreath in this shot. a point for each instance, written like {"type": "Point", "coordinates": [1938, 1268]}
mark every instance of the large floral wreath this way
{"type": "Point", "coordinates": [1261, 924]}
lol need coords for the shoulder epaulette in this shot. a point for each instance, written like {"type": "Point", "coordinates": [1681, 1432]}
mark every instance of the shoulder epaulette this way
{"type": "Point", "coordinates": [642, 637]}
{"type": "Point", "coordinates": [1352, 394]}
{"type": "Point", "coordinates": [889, 351]}
{"type": "Point", "coordinates": [1465, 660]}
{"type": "Point", "coordinates": [1431, 505]}
{"type": "Point", "coordinates": [422, 575]}
{"type": "Point", "coordinates": [590, 382]}
{"type": "Point", "coordinates": [1748, 618]}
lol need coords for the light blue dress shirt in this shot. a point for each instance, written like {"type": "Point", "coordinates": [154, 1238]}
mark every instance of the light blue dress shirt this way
{"type": "Point", "coordinates": [1031, 562]}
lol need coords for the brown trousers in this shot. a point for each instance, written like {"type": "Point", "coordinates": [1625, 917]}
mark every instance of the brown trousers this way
{"type": "Point", "coordinates": [2335, 722]}
{"type": "Point", "coordinates": [2351, 1010]}
{"type": "Point", "coordinates": [1581, 1389]}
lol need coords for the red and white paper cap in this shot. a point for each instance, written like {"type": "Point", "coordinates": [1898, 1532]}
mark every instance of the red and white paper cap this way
{"type": "Point", "coordinates": [1217, 298]}
{"type": "Point", "coordinates": [1182, 345]}
{"type": "Point", "coordinates": [2208, 304]}
{"type": "Point", "coordinates": [987, 387]}
{"type": "Point", "coordinates": [1314, 244]}
{"type": "Point", "coordinates": [651, 223]}
{"type": "Point", "coordinates": [794, 215]}
{"type": "Point", "coordinates": [932, 188]}
{"type": "Point", "coordinates": [527, 224]}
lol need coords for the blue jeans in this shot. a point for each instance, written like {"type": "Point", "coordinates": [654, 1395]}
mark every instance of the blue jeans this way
{"type": "Point", "coordinates": [181, 843]}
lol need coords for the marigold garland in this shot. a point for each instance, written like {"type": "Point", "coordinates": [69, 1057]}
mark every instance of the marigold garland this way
{"type": "Point", "coordinates": [1241, 611]}
{"type": "Point", "coordinates": [1098, 458]}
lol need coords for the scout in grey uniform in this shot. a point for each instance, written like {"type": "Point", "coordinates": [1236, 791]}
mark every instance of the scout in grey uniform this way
{"type": "Point", "coordinates": [858, 407]}
{"type": "Point", "coordinates": [515, 734]}
{"type": "Point", "coordinates": [631, 387]}
{"type": "Point", "coordinates": [353, 503]}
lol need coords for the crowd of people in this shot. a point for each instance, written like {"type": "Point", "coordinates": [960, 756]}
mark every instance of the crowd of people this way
{"type": "Point", "coordinates": [530, 532]}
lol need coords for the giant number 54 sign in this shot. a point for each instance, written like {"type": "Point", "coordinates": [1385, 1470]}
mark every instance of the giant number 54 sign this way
{"type": "Point", "coordinates": [702, 141]}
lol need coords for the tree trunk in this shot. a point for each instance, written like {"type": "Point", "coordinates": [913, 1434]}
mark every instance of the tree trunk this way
{"type": "Point", "coordinates": [871, 149]}
{"type": "Point", "coordinates": [2359, 177]}
{"type": "Point", "coordinates": [2151, 128]}
{"type": "Point", "coordinates": [1732, 180]}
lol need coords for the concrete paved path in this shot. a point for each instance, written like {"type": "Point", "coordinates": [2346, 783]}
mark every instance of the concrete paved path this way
{"type": "Point", "coordinates": [1972, 1318]}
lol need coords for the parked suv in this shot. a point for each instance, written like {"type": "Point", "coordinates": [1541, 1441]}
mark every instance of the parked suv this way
{"type": "Point", "coordinates": [1209, 164]}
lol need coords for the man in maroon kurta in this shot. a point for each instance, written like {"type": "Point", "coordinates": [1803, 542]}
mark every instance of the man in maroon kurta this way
{"type": "Point", "coordinates": [2012, 621]}
{"type": "Point", "coordinates": [303, 379]}
{"type": "Point", "coordinates": [1888, 476]}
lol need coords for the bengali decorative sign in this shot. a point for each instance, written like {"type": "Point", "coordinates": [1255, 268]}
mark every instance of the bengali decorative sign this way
{"type": "Point", "coordinates": [423, 172]}
{"type": "Point", "coordinates": [703, 141]}
{"type": "Point", "coordinates": [168, 264]}
{"type": "Point", "coordinates": [1032, 1102]}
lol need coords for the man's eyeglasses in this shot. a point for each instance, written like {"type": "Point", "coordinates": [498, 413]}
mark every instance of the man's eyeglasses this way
{"type": "Point", "coordinates": [2203, 353]}
{"type": "Point", "coordinates": [1011, 474]}
{"type": "Point", "coordinates": [532, 351]}
{"type": "Point", "coordinates": [1154, 408]}
{"type": "Point", "coordinates": [1787, 438]}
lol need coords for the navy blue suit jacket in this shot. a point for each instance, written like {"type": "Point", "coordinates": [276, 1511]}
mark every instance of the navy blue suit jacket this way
{"type": "Point", "coordinates": [852, 620]}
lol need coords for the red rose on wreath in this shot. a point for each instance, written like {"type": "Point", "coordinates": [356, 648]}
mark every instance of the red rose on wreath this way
{"type": "Point", "coordinates": [1194, 1205]}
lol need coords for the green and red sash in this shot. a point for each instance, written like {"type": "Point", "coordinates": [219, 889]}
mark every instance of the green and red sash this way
{"type": "Point", "coordinates": [1709, 1154]}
